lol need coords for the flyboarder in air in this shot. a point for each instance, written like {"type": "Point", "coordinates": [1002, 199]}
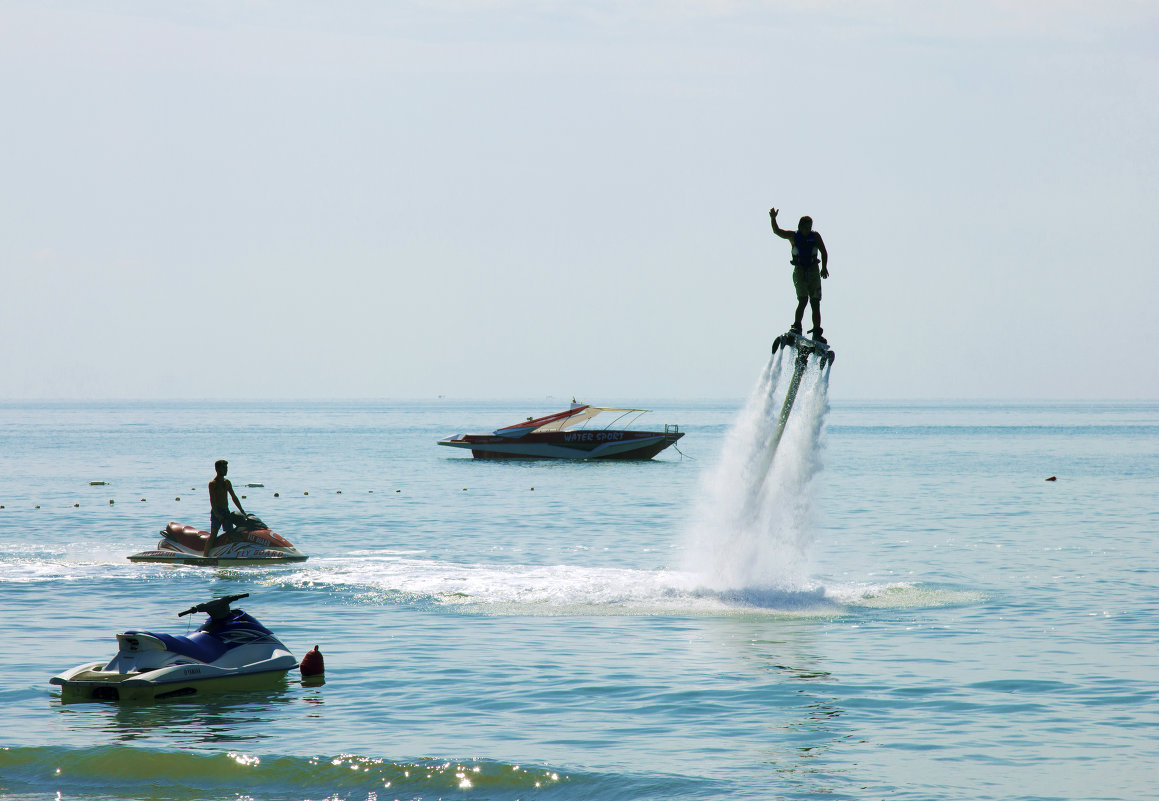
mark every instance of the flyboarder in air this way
{"type": "Point", "coordinates": [807, 243]}
{"type": "Point", "coordinates": [807, 275]}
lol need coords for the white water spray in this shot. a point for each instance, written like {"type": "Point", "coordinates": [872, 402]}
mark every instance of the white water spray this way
{"type": "Point", "coordinates": [755, 522]}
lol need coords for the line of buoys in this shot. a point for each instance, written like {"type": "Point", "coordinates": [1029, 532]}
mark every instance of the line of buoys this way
{"type": "Point", "coordinates": [112, 501]}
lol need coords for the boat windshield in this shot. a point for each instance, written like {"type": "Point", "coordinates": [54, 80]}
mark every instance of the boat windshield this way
{"type": "Point", "coordinates": [581, 419]}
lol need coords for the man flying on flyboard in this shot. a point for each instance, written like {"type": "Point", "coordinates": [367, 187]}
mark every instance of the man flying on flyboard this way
{"type": "Point", "coordinates": [807, 244]}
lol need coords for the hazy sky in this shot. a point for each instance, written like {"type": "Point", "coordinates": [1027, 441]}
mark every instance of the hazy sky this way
{"type": "Point", "coordinates": [513, 199]}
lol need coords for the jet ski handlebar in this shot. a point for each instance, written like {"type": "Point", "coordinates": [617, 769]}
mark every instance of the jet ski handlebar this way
{"type": "Point", "coordinates": [217, 608]}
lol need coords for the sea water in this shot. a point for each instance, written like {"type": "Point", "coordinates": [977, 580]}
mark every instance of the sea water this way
{"type": "Point", "coordinates": [907, 610]}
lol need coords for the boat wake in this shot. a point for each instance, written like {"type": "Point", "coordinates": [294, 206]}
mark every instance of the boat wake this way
{"type": "Point", "coordinates": [406, 578]}
{"type": "Point", "coordinates": [379, 578]}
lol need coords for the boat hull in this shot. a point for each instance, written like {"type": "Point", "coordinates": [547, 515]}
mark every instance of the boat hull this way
{"type": "Point", "coordinates": [582, 445]}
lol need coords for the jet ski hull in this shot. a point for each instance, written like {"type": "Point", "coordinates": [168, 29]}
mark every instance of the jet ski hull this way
{"type": "Point", "coordinates": [176, 558]}
{"type": "Point", "coordinates": [86, 683]}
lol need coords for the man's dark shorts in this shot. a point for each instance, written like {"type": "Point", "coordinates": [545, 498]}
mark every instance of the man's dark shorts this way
{"type": "Point", "coordinates": [225, 520]}
{"type": "Point", "coordinates": [807, 282]}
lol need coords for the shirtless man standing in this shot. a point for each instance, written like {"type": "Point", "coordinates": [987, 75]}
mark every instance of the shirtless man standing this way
{"type": "Point", "coordinates": [220, 491]}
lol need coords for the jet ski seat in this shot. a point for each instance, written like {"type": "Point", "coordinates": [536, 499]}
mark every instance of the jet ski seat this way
{"type": "Point", "coordinates": [199, 645]}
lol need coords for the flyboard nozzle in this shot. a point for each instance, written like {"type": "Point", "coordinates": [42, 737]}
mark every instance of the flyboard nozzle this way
{"type": "Point", "coordinates": [313, 668]}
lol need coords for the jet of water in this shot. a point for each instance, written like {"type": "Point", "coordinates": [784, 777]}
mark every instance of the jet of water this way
{"type": "Point", "coordinates": [754, 523]}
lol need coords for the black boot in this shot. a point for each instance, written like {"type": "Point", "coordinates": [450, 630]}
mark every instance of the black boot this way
{"type": "Point", "coordinates": [796, 328]}
{"type": "Point", "coordinates": [816, 334]}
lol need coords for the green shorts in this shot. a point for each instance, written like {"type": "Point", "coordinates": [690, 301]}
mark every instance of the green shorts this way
{"type": "Point", "coordinates": [807, 282]}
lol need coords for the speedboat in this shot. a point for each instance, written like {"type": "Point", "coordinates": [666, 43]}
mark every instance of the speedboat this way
{"type": "Point", "coordinates": [230, 651]}
{"type": "Point", "coordinates": [250, 543]}
{"type": "Point", "coordinates": [571, 434]}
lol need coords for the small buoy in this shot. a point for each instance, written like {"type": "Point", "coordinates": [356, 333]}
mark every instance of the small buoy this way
{"type": "Point", "coordinates": [533, 489]}
{"type": "Point", "coordinates": [464, 489]}
{"type": "Point", "coordinates": [243, 497]}
{"type": "Point", "coordinates": [398, 490]}
{"type": "Point", "coordinates": [305, 493]}
{"type": "Point", "coordinates": [37, 506]}
{"type": "Point", "coordinates": [111, 502]}
{"type": "Point", "coordinates": [142, 500]}
{"type": "Point", "coordinates": [98, 483]}
{"type": "Point", "coordinates": [276, 495]}
{"type": "Point", "coordinates": [339, 492]}
{"type": "Point", "coordinates": [1053, 478]}
{"type": "Point", "coordinates": [313, 668]}
{"type": "Point", "coordinates": [74, 506]}
{"type": "Point", "coordinates": [371, 491]}
{"type": "Point", "coordinates": [177, 498]}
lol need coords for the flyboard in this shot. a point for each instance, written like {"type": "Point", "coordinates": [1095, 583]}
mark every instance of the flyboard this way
{"type": "Point", "coordinates": [805, 348]}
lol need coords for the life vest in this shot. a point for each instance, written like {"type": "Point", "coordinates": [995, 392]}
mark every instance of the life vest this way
{"type": "Point", "coordinates": [804, 249]}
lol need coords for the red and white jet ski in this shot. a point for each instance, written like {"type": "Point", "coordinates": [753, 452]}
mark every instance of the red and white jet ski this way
{"type": "Point", "coordinates": [250, 543]}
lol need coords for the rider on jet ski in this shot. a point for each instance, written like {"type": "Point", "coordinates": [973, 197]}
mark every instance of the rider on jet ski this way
{"type": "Point", "coordinates": [220, 517]}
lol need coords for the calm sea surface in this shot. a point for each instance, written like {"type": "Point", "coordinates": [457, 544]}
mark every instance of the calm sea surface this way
{"type": "Point", "coordinates": [961, 628]}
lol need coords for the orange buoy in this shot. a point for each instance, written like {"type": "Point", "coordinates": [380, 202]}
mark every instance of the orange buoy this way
{"type": "Point", "coordinates": [313, 668]}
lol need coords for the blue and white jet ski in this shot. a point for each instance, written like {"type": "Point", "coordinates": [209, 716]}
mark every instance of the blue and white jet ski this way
{"type": "Point", "coordinates": [230, 651]}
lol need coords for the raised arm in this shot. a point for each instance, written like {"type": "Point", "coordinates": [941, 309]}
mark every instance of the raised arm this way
{"type": "Point", "coordinates": [778, 230]}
